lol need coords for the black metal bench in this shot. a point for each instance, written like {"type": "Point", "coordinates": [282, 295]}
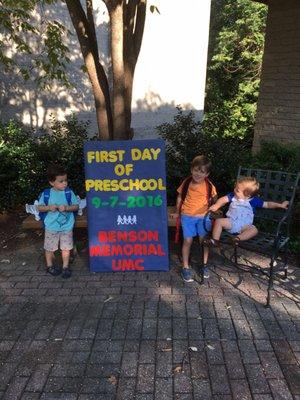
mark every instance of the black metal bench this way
{"type": "Point", "coordinates": [273, 224]}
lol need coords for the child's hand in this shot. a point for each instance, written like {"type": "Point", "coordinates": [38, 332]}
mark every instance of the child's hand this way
{"type": "Point", "coordinates": [53, 207]}
{"type": "Point", "coordinates": [285, 204]}
{"type": "Point", "coordinates": [213, 208]}
{"type": "Point", "coordinates": [174, 215]}
{"type": "Point", "coordinates": [62, 208]}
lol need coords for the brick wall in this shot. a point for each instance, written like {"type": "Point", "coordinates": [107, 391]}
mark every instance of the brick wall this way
{"type": "Point", "coordinates": [278, 112]}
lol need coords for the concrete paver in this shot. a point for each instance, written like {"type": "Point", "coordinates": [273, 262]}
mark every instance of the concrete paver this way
{"type": "Point", "coordinates": [145, 336]}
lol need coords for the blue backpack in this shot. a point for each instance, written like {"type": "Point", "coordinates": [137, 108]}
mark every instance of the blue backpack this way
{"type": "Point", "coordinates": [46, 194]}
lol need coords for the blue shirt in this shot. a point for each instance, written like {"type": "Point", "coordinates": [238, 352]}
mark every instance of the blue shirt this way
{"type": "Point", "coordinates": [255, 202]}
{"type": "Point", "coordinates": [57, 221]}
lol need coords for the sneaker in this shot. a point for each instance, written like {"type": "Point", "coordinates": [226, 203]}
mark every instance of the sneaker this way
{"type": "Point", "coordinates": [186, 274]}
{"type": "Point", "coordinates": [205, 272]}
{"type": "Point", "coordinates": [215, 242]}
{"type": "Point", "coordinates": [53, 270]}
{"type": "Point", "coordinates": [66, 273]}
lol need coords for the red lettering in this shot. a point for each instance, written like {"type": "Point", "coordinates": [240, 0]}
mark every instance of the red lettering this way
{"type": "Point", "coordinates": [95, 251]}
{"type": "Point", "coordinates": [115, 265]}
{"type": "Point", "coordinates": [128, 249]}
{"type": "Point", "coordinates": [160, 250]}
{"type": "Point", "coordinates": [129, 265]}
{"type": "Point", "coordinates": [152, 250]}
{"type": "Point", "coordinates": [142, 235]}
{"type": "Point", "coordinates": [138, 250]}
{"type": "Point", "coordinates": [132, 236]}
{"type": "Point", "coordinates": [138, 265]}
{"type": "Point", "coordinates": [102, 236]}
{"type": "Point", "coordinates": [100, 250]}
{"type": "Point", "coordinates": [116, 250]}
{"type": "Point", "coordinates": [105, 250]}
{"type": "Point", "coordinates": [112, 236]}
{"type": "Point", "coordinates": [153, 236]}
{"type": "Point", "coordinates": [122, 236]}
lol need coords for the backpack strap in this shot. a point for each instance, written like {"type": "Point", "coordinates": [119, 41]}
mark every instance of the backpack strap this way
{"type": "Point", "coordinates": [209, 186]}
{"type": "Point", "coordinates": [46, 194]}
{"type": "Point", "coordinates": [68, 194]}
{"type": "Point", "coordinates": [46, 197]}
{"type": "Point", "coordinates": [185, 188]}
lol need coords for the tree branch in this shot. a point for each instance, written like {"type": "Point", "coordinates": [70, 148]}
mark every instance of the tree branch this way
{"type": "Point", "coordinates": [95, 70]}
{"type": "Point", "coordinates": [139, 26]}
{"type": "Point", "coordinates": [91, 23]}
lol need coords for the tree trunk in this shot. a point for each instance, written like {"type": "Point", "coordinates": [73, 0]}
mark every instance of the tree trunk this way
{"type": "Point", "coordinates": [95, 70]}
{"type": "Point", "coordinates": [127, 20]}
{"type": "Point", "coordinates": [116, 25]}
{"type": "Point", "coordinates": [134, 23]}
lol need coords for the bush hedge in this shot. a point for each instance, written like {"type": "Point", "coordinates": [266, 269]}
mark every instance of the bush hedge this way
{"type": "Point", "coordinates": [24, 158]}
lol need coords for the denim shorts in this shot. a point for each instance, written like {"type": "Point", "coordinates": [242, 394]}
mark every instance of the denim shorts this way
{"type": "Point", "coordinates": [195, 226]}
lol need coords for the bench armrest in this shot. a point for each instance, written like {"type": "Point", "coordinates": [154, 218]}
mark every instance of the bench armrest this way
{"type": "Point", "coordinates": [280, 224]}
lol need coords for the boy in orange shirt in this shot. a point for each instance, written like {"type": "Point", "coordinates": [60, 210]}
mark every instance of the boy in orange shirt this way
{"type": "Point", "coordinates": [195, 195]}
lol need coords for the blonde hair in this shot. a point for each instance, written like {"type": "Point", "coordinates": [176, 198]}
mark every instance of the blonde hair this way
{"type": "Point", "coordinates": [251, 185]}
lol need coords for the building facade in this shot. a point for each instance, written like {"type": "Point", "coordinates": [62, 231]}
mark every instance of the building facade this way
{"type": "Point", "coordinates": [278, 109]}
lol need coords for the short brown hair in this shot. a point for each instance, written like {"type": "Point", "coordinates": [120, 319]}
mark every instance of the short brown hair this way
{"type": "Point", "coordinates": [251, 185]}
{"type": "Point", "coordinates": [55, 170]}
{"type": "Point", "coordinates": [201, 161]}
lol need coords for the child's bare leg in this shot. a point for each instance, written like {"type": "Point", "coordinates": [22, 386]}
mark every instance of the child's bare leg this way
{"type": "Point", "coordinates": [205, 249]}
{"type": "Point", "coordinates": [187, 242]}
{"type": "Point", "coordinates": [219, 225]}
{"type": "Point", "coordinates": [65, 254]}
{"type": "Point", "coordinates": [49, 255]}
{"type": "Point", "coordinates": [205, 256]}
{"type": "Point", "coordinates": [247, 232]}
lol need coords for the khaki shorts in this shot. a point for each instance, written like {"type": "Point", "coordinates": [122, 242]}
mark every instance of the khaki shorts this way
{"type": "Point", "coordinates": [64, 239]}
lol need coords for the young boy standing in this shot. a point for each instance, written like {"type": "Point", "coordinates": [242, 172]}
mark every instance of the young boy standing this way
{"type": "Point", "coordinates": [59, 204]}
{"type": "Point", "coordinates": [195, 195]}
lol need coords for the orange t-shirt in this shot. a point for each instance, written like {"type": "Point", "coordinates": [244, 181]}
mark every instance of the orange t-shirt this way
{"type": "Point", "coordinates": [196, 202]}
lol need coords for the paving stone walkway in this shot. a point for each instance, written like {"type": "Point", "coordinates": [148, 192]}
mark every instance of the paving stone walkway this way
{"type": "Point", "coordinates": [145, 336]}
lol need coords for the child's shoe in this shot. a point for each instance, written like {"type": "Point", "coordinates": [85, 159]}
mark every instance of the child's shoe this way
{"type": "Point", "coordinates": [205, 271]}
{"type": "Point", "coordinates": [66, 273]}
{"type": "Point", "coordinates": [235, 240]}
{"type": "Point", "coordinates": [53, 270]}
{"type": "Point", "coordinates": [186, 274]}
{"type": "Point", "coordinates": [215, 242]}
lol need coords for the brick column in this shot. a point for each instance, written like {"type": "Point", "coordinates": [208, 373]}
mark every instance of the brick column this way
{"type": "Point", "coordinates": [278, 109]}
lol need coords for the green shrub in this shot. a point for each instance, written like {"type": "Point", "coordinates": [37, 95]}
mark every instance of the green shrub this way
{"type": "Point", "coordinates": [24, 158]}
{"type": "Point", "coordinates": [186, 139]}
{"type": "Point", "coordinates": [282, 157]}
{"type": "Point", "coordinates": [64, 145]}
{"type": "Point", "coordinates": [277, 157]}
{"type": "Point", "coordinates": [17, 164]}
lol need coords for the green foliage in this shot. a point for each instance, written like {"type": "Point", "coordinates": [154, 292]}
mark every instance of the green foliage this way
{"type": "Point", "coordinates": [185, 140]}
{"type": "Point", "coordinates": [235, 55]}
{"type": "Point", "coordinates": [278, 157]}
{"type": "Point", "coordinates": [22, 33]}
{"type": "Point", "coordinates": [283, 157]}
{"type": "Point", "coordinates": [17, 160]}
{"type": "Point", "coordinates": [24, 159]}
